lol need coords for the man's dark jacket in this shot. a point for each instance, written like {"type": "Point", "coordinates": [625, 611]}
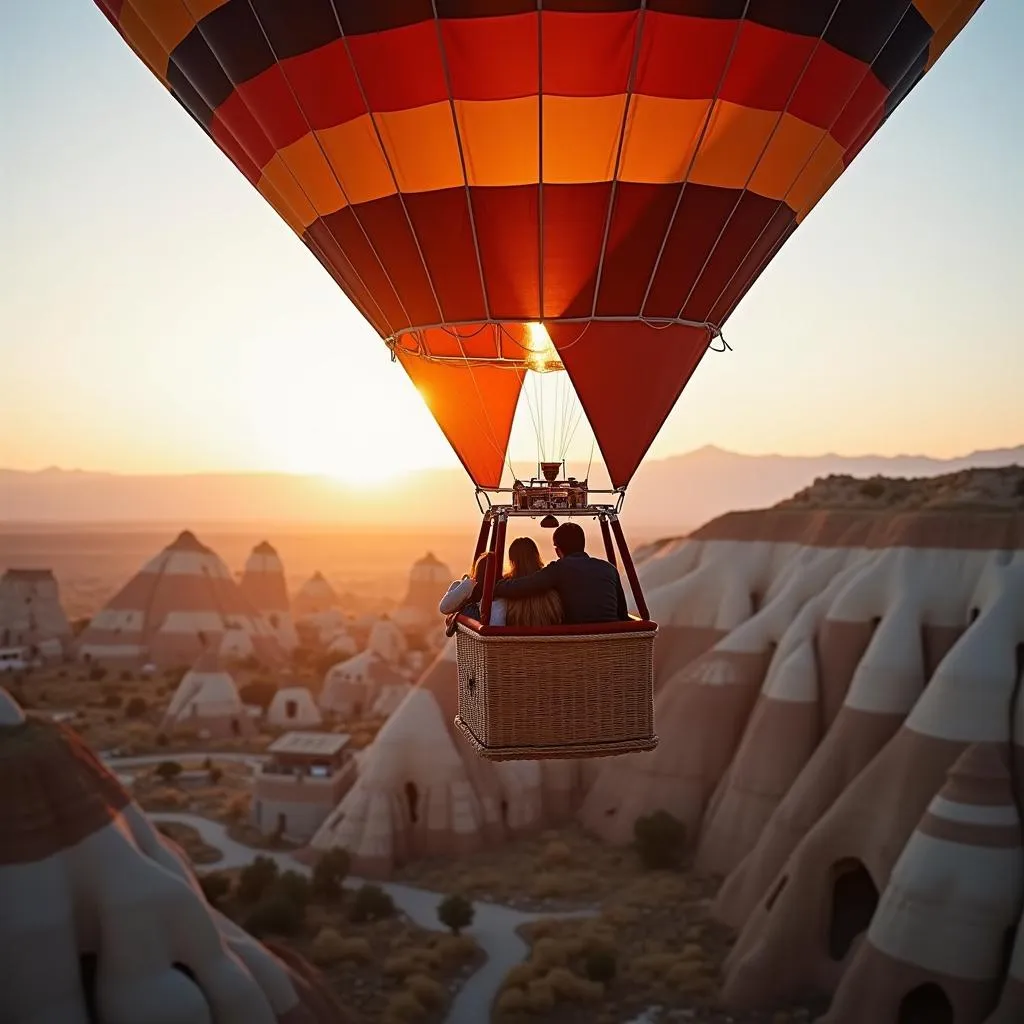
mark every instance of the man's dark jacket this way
{"type": "Point", "coordinates": [590, 588]}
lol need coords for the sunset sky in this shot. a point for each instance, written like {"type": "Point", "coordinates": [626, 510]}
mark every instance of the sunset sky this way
{"type": "Point", "coordinates": [157, 316]}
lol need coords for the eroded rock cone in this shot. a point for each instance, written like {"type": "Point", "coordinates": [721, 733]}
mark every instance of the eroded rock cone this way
{"type": "Point", "coordinates": [936, 948]}
{"type": "Point", "coordinates": [103, 920]}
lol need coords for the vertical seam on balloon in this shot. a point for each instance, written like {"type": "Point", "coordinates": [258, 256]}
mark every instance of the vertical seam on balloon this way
{"type": "Point", "coordinates": [696, 152]}
{"type": "Point", "coordinates": [630, 85]}
{"type": "Point", "coordinates": [341, 188]}
{"type": "Point", "coordinates": [757, 163]}
{"type": "Point", "coordinates": [315, 247]}
{"type": "Point", "coordinates": [540, 160]}
{"type": "Point", "coordinates": [462, 161]}
{"type": "Point", "coordinates": [387, 160]}
{"type": "Point", "coordinates": [868, 71]}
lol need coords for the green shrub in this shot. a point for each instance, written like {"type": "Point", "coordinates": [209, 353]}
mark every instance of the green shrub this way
{"type": "Point", "coordinates": [168, 771]}
{"type": "Point", "coordinates": [455, 912]}
{"type": "Point", "coordinates": [215, 887]}
{"type": "Point", "coordinates": [329, 874]}
{"type": "Point", "coordinates": [371, 903]}
{"type": "Point", "coordinates": [275, 914]}
{"type": "Point", "coordinates": [293, 886]}
{"type": "Point", "coordinates": [256, 879]}
{"type": "Point", "coordinates": [660, 840]}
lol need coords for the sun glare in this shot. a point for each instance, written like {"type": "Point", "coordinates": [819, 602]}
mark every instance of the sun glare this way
{"type": "Point", "coordinates": [541, 354]}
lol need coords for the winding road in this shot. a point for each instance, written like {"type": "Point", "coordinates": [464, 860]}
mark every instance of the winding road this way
{"type": "Point", "coordinates": [494, 926]}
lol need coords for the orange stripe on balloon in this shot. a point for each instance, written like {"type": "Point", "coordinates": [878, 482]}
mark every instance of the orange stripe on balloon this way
{"type": "Point", "coordinates": [938, 12]}
{"type": "Point", "coordinates": [957, 16]}
{"type": "Point", "coordinates": [776, 156]}
{"type": "Point", "coordinates": [154, 28]}
{"type": "Point", "coordinates": [138, 35]}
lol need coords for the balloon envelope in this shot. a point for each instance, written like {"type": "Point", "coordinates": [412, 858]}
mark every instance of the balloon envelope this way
{"type": "Point", "coordinates": [620, 171]}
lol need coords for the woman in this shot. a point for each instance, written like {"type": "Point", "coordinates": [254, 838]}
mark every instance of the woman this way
{"type": "Point", "coordinates": [538, 610]}
{"type": "Point", "coordinates": [464, 596]}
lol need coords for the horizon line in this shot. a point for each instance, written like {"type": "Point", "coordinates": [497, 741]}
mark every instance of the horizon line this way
{"type": "Point", "coordinates": [457, 469]}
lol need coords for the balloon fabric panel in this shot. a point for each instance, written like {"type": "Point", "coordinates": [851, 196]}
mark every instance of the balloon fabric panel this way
{"type": "Point", "coordinates": [610, 165]}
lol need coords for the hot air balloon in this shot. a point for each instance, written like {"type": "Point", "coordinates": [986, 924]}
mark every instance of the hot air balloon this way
{"type": "Point", "coordinates": [510, 186]}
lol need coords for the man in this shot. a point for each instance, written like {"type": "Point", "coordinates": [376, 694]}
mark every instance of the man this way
{"type": "Point", "coordinates": [590, 588]}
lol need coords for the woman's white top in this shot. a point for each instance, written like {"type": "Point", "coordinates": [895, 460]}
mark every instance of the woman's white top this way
{"type": "Point", "coordinates": [458, 594]}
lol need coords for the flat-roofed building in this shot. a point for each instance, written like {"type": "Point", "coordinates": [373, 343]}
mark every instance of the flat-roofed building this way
{"type": "Point", "coordinates": [305, 777]}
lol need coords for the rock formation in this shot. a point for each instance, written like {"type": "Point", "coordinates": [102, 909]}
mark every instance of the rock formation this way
{"type": "Point", "coordinates": [177, 607]}
{"type": "Point", "coordinates": [207, 700]}
{"type": "Point", "coordinates": [820, 671]}
{"type": "Point", "coordinates": [102, 917]}
{"type": "Point", "coordinates": [293, 708]}
{"type": "Point", "coordinates": [386, 641]}
{"type": "Point", "coordinates": [263, 584]}
{"type": "Point", "coordinates": [940, 935]}
{"type": "Point", "coordinates": [352, 687]}
{"type": "Point", "coordinates": [31, 614]}
{"type": "Point", "coordinates": [316, 595]}
{"type": "Point", "coordinates": [428, 580]}
{"type": "Point", "coordinates": [422, 791]}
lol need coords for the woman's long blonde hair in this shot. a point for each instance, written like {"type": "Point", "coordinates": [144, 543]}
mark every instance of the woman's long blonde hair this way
{"type": "Point", "coordinates": [540, 609]}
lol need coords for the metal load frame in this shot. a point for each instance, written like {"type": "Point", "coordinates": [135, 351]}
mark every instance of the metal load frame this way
{"type": "Point", "coordinates": [493, 527]}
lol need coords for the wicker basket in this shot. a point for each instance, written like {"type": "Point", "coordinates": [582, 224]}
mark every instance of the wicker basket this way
{"type": "Point", "coordinates": [556, 696]}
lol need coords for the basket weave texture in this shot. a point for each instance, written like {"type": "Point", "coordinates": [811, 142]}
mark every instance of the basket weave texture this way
{"type": "Point", "coordinates": [537, 697]}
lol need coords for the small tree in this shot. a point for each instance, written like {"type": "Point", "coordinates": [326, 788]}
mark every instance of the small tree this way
{"type": "Point", "coordinates": [455, 912]}
{"type": "Point", "coordinates": [256, 879]}
{"type": "Point", "coordinates": [330, 873]}
{"type": "Point", "coordinates": [168, 771]}
{"type": "Point", "coordinates": [161, 739]}
{"type": "Point", "coordinates": [136, 708]}
{"type": "Point", "coordinates": [214, 775]}
{"type": "Point", "coordinates": [660, 840]}
{"type": "Point", "coordinates": [371, 903]}
{"type": "Point", "coordinates": [215, 887]}
{"type": "Point", "coordinates": [97, 674]}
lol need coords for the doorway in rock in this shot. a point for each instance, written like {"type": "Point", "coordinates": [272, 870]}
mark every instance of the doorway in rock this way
{"type": "Point", "coordinates": [926, 1004]}
{"type": "Point", "coordinates": [854, 901]}
{"type": "Point", "coordinates": [412, 795]}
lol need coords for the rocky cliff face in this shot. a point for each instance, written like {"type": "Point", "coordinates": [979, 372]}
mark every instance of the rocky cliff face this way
{"type": "Point", "coordinates": [103, 921]}
{"type": "Point", "coordinates": [823, 674]}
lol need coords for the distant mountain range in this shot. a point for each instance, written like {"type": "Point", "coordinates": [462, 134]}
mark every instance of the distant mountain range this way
{"type": "Point", "coordinates": [673, 494]}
